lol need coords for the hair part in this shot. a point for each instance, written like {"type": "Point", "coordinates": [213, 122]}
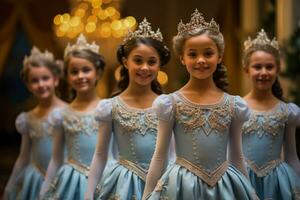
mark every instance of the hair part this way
{"type": "Point", "coordinates": [124, 51]}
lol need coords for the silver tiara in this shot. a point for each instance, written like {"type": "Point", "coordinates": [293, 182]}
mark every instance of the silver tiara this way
{"type": "Point", "coordinates": [144, 31]}
{"type": "Point", "coordinates": [197, 22]}
{"type": "Point", "coordinates": [36, 54]}
{"type": "Point", "coordinates": [261, 39]}
{"type": "Point", "coordinates": [81, 44]}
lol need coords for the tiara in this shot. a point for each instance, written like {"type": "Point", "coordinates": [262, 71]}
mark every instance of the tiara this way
{"type": "Point", "coordinates": [261, 39]}
{"type": "Point", "coordinates": [197, 22]}
{"type": "Point", "coordinates": [81, 44]}
{"type": "Point", "coordinates": [144, 31]}
{"type": "Point", "coordinates": [35, 53]}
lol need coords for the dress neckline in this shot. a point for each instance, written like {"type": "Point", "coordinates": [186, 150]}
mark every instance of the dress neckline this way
{"type": "Point", "coordinates": [128, 107]}
{"type": "Point", "coordinates": [194, 104]}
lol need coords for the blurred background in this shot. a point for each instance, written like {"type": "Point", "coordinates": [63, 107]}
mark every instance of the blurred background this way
{"type": "Point", "coordinates": [51, 24]}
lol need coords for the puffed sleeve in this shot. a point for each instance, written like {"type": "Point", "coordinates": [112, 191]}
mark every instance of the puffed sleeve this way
{"type": "Point", "coordinates": [163, 106]}
{"type": "Point", "coordinates": [104, 111]}
{"type": "Point", "coordinates": [56, 117]}
{"type": "Point", "coordinates": [294, 114]}
{"type": "Point", "coordinates": [241, 110]}
{"type": "Point", "coordinates": [21, 123]}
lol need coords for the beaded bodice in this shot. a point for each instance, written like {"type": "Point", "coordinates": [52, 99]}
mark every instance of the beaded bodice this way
{"type": "Point", "coordinates": [80, 131]}
{"type": "Point", "coordinates": [135, 132]}
{"type": "Point", "coordinates": [263, 136]}
{"type": "Point", "coordinates": [201, 131]}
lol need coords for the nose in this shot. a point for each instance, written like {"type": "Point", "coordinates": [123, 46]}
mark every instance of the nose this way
{"type": "Point", "coordinates": [200, 60]}
{"type": "Point", "coordinates": [144, 66]}
{"type": "Point", "coordinates": [80, 74]}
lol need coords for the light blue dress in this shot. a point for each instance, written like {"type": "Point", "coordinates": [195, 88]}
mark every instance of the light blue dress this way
{"type": "Point", "coordinates": [263, 138]}
{"type": "Point", "coordinates": [80, 131]}
{"type": "Point", "coordinates": [29, 182]}
{"type": "Point", "coordinates": [135, 133]}
{"type": "Point", "coordinates": [201, 132]}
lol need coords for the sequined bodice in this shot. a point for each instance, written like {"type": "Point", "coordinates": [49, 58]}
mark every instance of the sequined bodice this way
{"type": "Point", "coordinates": [263, 135]}
{"type": "Point", "coordinates": [201, 131]}
{"type": "Point", "coordinates": [41, 140]}
{"type": "Point", "coordinates": [80, 131]}
{"type": "Point", "coordinates": [135, 132]}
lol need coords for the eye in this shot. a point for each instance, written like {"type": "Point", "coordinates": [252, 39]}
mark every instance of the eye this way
{"type": "Point", "coordinates": [209, 53]}
{"type": "Point", "coordinates": [34, 80]}
{"type": "Point", "coordinates": [152, 62]}
{"type": "Point", "coordinates": [73, 71]}
{"type": "Point", "coordinates": [138, 60]}
{"type": "Point", "coordinates": [86, 69]}
{"type": "Point", "coordinates": [45, 78]}
{"type": "Point", "coordinates": [270, 66]}
{"type": "Point", "coordinates": [257, 66]}
{"type": "Point", "coordinates": [192, 54]}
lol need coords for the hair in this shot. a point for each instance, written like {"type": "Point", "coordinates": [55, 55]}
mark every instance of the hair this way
{"type": "Point", "coordinates": [276, 87]}
{"type": "Point", "coordinates": [220, 75]}
{"type": "Point", "coordinates": [125, 49]}
{"type": "Point", "coordinates": [96, 59]}
{"type": "Point", "coordinates": [54, 66]}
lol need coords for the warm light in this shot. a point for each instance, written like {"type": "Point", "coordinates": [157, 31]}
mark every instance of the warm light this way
{"type": "Point", "coordinates": [92, 18]}
{"type": "Point", "coordinates": [83, 6]}
{"type": "Point", "coordinates": [80, 12]}
{"type": "Point", "coordinates": [75, 21]}
{"type": "Point", "coordinates": [131, 20]}
{"type": "Point", "coordinates": [162, 77]}
{"type": "Point", "coordinates": [96, 3]}
{"type": "Point", "coordinates": [111, 11]}
{"type": "Point", "coordinates": [65, 18]}
{"type": "Point", "coordinates": [72, 34]}
{"type": "Point", "coordinates": [64, 27]}
{"type": "Point", "coordinates": [102, 14]}
{"type": "Point", "coordinates": [57, 19]}
{"type": "Point", "coordinates": [116, 16]}
{"type": "Point", "coordinates": [90, 27]}
{"type": "Point", "coordinates": [116, 25]}
{"type": "Point", "coordinates": [107, 1]}
{"type": "Point", "coordinates": [59, 33]}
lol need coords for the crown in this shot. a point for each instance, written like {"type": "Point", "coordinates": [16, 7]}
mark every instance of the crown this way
{"type": "Point", "coordinates": [197, 22]}
{"type": "Point", "coordinates": [81, 44]}
{"type": "Point", "coordinates": [261, 39]}
{"type": "Point", "coordinates": [36, 54]}
{"type": "Point", "coordinates": [144, 31]}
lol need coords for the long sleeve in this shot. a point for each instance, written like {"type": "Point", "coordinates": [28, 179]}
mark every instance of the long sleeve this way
{"type": "Point", "coordinates": [241, 114]}
{"type": "Point", "coordinates": [294, 114]}
{"type": "Point", "coordinates": [101, 151]}
{"type": "Point", "coordinates": [57, 156]}
{"type": "Point", "coordinates": [22, 161]}
{"type": "Point", "coordinates": [290, 151]}
{"type": "Point", "coordinates": [164, 109]}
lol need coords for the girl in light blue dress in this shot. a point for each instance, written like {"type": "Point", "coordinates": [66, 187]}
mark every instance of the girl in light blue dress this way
{"type": "Point", "coordinates": [271, 127]}
{"type": "Point", "coordinates": [206, 121]}
{"type": "Point", "coordinates": [41, 74]}
{"type": "Point", "coordinates": [130, 118]}
{"type": "Point", "coordinates": [75, 125]}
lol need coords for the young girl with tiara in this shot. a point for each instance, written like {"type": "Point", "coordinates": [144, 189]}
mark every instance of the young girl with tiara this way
{"type": "Point", "coordinates": [271, 126]}
{"type": "Point", "coordinates": [41, 73]}
{"type": "Point", "coordinates": [130, 118]}
{"type": "Point", "coordinates": [75, 126]}
{"type": "Point", "coordinates": [205, 121]}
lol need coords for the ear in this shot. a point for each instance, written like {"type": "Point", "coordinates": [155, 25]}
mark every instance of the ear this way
{"type": "Point", "coordinates": [124, 61]}
{"type": "Point", "coordinates": [246, 69]}
{"type": "Point", "coordinates": [56, 81]}
{"type": "Point", "coordinates": [181, 60]}
{"type": "Point", "coordinates": [220, 59]}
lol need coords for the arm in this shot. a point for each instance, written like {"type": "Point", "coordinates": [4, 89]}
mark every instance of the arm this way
{"type": "Point", "coordinates": [235, 153]}
{"type": "Point", "coordinates": [290, 152]}
{"type": "Point", "coordinates": [159, 157]}
{"type": "Point", "coordinates": [22, 161]}
{"type": "Point", "coordinates": [56, 161]}
{"type": "Point", "coordinates": [99, 159]}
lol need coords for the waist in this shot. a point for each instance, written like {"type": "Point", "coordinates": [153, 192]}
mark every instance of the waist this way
{"type": "Point", "coordinates": [82, 168]}
{"type": "Point", "coordinates": [264, 169]}
{"type": "Point", "coordinates": [134, 167]}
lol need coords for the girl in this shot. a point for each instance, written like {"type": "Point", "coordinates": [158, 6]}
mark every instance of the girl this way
{"type": "Point", "coordinates": [75, 125]}
{"type": "Point", "coordinates": [271, 125]}
{"type": "Point", "coordinates": [130, 116]}
{"type": "Point", "coordinates": [205, 120]}
{"type": "Point", "coordinates": [41, 74]}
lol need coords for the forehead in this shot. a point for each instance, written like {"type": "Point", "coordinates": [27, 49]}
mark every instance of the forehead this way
{"type": "Point", "coordinates": [79, 62]}
{"type": "Point", "coordinates": [262, 56]}
{"type": "Point", "coordinates": [39, 70]}
{"type": "Point", "coordinates": [144, 50]}
{"type": "Point", "coordinates": [199, 42]}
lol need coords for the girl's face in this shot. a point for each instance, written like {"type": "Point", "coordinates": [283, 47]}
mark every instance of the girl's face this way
{"type": "Point", "coordinates": [262, 70]}
{"type": "Point", "coordinates": [143, 64]}
{"type": "Point", "coordinates": [41, 82]}
{"type": "Point", "coordinates": [82, 75]}
{"type": "Point", "coordinates": [200, 56]}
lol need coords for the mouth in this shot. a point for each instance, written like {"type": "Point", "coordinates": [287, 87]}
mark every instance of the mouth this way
{"type": "Point", "coordinates": [144, 76]}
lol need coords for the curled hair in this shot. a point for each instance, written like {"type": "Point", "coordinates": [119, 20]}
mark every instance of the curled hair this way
{"type": "Point", "coordinates": [54, 66]}
{"type": "Point", "coordinates": [276, 87]}
{"type": "Point", "coordinates": [220, 75]}
{"type": "Point", "coordinates": [125, 49]}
